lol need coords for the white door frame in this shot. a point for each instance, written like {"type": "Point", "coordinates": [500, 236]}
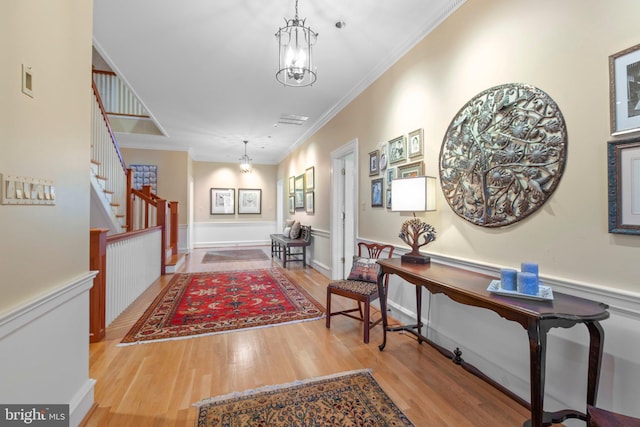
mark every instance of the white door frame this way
{"type": "Point", "coordinates": [337, 202]}
{"type": "Point", "coordinates": [279, 205]}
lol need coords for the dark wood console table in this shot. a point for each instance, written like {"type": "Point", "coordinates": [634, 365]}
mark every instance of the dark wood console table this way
{"type": "Point", "coordinates": [536, 317]}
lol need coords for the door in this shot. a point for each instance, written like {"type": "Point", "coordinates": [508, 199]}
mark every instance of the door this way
{"type": "Point", "coordinates": [344, 204]}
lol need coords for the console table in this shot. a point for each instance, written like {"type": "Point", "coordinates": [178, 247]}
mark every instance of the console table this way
{"type": "Point", "coordinates": [536, 317]}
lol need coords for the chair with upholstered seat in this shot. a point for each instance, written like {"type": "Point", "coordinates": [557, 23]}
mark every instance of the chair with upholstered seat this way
{"type": "Point", "coordinates": [602, 418]}
{"type": "Point", "coordinates": [360, 285]}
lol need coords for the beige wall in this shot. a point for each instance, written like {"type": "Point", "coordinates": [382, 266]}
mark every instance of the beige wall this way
{"type": "Point", "coordinates": [560, 47]}
{"type": "Point", "coordinates": [173, 169]}
{"type": "Point", "coordinates": [207, 175]}
{"type": "Point", "coordinates": [45, 247]}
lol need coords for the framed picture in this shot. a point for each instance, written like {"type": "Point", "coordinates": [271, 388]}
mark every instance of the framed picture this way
{"type": "Point", "coordinates": [309, 179]}
{"type": "Point", "coordinates": [397, 150]}
{"type": "Point", "coordinates": [415, 148]}
{"type": "Point", "coordinates": [389, 198]}
{"type": "Point", "coordinates": [376, 192]}
{"type": "Point", "coordinates": [308, 202]}
{"type": "Point", "coordinates": [623, 161]}
{"type": "Point", "coordinates": [292, 204]}
{"type": "Point", "coordinates": [223, 201]}
{"type": "Point", "coordinates": [373, 163]}
{"type": "Point", "coordinates": [299, 193]}
{"type": "Point", "coordinates": [249, 201]}
{"type": "Point", "coordinates": [624, 90]}
{"type": "Point", "coordinates": [384, 157]}
{"type": "Point", "coordinates": [411, 170]}
{"type": "Point", "coordinates": [292, 185]}
{"type": "Point", "coordinates": [392, 173]}
{"type": "Point", "coordinates": [145, 175]}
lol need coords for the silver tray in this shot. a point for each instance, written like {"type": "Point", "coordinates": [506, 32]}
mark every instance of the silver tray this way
{"type": "Point", "coordinates": [544, 292]}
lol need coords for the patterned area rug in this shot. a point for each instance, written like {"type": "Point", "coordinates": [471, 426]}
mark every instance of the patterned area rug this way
{"type": "Point", "coordinates": [209, 303]}
{"type": "Point", "coordinates": [346, 399]}
{"type": "Point", "coordinates": [234, 255]}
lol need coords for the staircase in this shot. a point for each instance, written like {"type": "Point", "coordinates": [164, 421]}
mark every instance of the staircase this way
{"type": "Point", "coordinates": [115, 204]}
{"type": "Point", "coordinates": [134, 233]}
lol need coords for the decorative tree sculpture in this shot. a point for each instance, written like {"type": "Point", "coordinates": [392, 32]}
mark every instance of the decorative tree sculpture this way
{"type": "Point", "coordinates": [412, 232]}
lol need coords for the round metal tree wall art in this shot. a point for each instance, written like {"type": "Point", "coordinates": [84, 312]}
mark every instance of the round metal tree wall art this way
{"type": "Point", "coordinates": [503, 155]}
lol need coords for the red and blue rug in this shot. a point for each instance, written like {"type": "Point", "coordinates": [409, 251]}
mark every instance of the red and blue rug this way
{"type": "Point", "coordinates": [209, 303]}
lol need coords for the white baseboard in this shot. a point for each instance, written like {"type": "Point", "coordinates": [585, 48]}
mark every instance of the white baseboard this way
{"type": "Point", "coordinates": [81, 403]}
{"type": "Point", "coordinates": [323, 269]}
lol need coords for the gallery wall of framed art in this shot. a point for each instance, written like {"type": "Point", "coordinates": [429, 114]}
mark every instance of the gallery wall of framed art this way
{"type": "Point", "coordinates": [302, 191]}
{"type": "Point", "coordinates": [400, 157]}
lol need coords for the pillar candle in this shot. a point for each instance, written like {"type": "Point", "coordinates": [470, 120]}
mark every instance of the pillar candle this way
{"type": "Point", "coordinates": [529, 267]}
{"type": "Point", "coordinates": [527, 283]}
{"type": "Point", "coordinates": [508, 279]}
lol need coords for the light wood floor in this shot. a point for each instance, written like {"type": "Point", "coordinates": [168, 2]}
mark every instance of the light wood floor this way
{"type": "Point", "coordinates": [156, 384]}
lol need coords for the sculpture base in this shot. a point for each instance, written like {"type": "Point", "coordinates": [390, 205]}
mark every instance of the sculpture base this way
{"type": "Point", "coordinates": [415, 259]}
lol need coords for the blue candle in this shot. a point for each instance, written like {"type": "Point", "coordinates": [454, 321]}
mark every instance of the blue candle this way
{"type": "Point", "coordinates": [508, 279]}
{"type": "Point", "coordinates": [527, 283]}
{"type": "Point", "coordinates": [529, 267]}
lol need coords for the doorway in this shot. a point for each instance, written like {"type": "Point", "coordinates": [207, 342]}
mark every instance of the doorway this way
{"type": "Point", "coordinates": [279, 205]}
{"type": "Point", "coordinates": [344, 208]}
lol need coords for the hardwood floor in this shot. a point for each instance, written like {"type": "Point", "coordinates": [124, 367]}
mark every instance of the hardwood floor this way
{"type": "Point", "coordinates": [156, 384]}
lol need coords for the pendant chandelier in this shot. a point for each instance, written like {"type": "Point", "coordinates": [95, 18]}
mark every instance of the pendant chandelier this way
{"type": "Point", "coordinates": [295, 62]}
{"type": "Point", "coordinates": [245, 161]}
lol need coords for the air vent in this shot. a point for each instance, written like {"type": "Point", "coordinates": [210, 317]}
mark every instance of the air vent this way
{"type": "Point", "coordinates": [292, 119]}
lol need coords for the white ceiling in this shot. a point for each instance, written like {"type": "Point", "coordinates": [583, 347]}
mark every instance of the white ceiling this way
{"type": "Point", "coordinates": [205, 69]}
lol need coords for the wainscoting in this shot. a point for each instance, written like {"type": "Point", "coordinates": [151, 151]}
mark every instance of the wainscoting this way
{"type": "Point", "coordinates": [56, 324]}
{"type": "Point", "coordinates": [500, 348]}
{"type": "Point", "coordinates": [232, 233]}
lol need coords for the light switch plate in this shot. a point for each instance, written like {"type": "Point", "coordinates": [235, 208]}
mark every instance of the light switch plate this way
{"type": "Point", "coordinates": [24, 190]}
{"type": "Point", "coordinates": [27, 80]}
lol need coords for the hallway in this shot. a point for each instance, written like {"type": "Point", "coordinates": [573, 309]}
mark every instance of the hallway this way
{"type": "Point", "coordinates": [156, 384]}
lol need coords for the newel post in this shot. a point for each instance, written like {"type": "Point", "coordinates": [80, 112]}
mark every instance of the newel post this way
{"type": "Point", "coordinates": [173, 211]}
{"type": "Point", "coordinates": [161, 219]}
{"type": "Point", "coordinates": [129, 200]}
{"type": "Point", "coordinates": [97, 294]}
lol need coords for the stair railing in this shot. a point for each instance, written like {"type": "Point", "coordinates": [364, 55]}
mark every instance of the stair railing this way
{"type": "Point", "coordinates": [108, 165]}
{"type": "Point", "coordinates": [136, 256]}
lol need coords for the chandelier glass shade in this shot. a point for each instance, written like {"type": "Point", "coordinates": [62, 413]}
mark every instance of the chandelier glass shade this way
{"type": "Point", "coordinates": [245, 161]}
{"type": "Point", "coordinates": [295, 56]}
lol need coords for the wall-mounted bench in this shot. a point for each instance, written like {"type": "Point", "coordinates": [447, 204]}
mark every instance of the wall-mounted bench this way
{"type": "Point", "coordinates": [282, 246]}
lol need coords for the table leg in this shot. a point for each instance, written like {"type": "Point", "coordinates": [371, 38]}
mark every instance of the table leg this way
{"type": "Point", "coordinates": [382, 295]}
{"type": "Point", "coordinates": [537, 354]}
{"type": "Point", "coordinates": [419, 313]}
{"type": "Point", "coordinates": [596, 346]}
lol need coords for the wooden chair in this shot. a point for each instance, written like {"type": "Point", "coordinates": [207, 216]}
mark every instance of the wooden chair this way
{"type": "Point", "coordinates": [603, 418]}
{"type": "Point", "coordinates": [364, 290]}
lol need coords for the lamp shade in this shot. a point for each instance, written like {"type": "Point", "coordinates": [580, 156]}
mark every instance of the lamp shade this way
{"type": "Point", "coordinates": [416, 194]}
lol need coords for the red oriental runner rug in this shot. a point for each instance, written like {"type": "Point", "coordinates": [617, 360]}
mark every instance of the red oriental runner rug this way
{"type": "Point", "coordinates": [209, 303]}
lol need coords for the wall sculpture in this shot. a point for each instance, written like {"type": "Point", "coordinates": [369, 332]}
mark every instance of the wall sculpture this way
{"type": "Point", "coordinates": [503, 155]}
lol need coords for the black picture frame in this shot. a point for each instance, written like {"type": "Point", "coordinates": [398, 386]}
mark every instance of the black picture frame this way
{"type": "Point", "coordinates": [377, 192]}
{"type": "Point", "coordinates": [374, 159]}
{"type": "Point", "coordinates": [623, 164]}
{"type": "Point", "coordinates": [624, 90]}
